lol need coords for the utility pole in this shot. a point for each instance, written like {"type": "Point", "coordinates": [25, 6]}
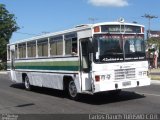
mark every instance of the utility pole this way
{"type": "Point", "coordinates": [149, 17]}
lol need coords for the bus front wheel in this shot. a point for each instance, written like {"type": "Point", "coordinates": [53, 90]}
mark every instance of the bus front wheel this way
{"type": "Point", "coordinates": [27, 83]}
{"type": "Point", "coordinates": [72, 90]}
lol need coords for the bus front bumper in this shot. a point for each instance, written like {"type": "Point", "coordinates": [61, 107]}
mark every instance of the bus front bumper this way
{"type": "Point", "coordinates": [103, 86]}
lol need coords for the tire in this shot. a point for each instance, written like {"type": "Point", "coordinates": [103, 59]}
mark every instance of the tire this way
{"type": "Point", "coordinates": [72, 90]}
{"type": "Point", "coordinates": [27, 83]}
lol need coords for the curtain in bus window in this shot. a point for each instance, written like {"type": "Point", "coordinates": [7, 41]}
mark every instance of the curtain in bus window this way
{"type": "Point", "coordinates": [68, 46]}
{"type": "Point", "coordinates": [59, 47]}
{"type": "Point", "coordinates": [33, 51]}
{"type": "Point", "coordinates": [40, 50]}
{"type": "Point", "coordinates": [45, 49]}
{"type": "Point", "coordinates": [53, 48]}
{"type": "Point", "coordinates": [29, 51]}
{"type": "Point", "coordinates": [22, 51]}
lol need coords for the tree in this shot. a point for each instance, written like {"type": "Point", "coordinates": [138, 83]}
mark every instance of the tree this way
{"type": "Point", "coordinates": [154, 41]}
{"type": "Point", "coordinates": [8, 25]}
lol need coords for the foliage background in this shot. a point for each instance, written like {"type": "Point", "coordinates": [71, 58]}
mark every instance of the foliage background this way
{"type": "Point", "coordinates": [8, 25]}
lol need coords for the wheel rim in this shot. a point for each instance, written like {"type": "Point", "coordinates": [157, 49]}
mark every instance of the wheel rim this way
{"type": "Point", "coordinates": [27, 84]}
{"type": "Point", "coordinates": [72, 89]}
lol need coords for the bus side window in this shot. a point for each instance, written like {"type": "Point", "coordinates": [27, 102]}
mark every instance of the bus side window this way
{"type": "Point", "coordinates": [74, 46]}
{"type": "Point", "coordinates": [22, 50]}
{"type": "Point", "coordinates": [43, 48]}
{"type": "Point", "coordinates": [31, 47]}
{"type": "Point", "coordinates": [71, 46]}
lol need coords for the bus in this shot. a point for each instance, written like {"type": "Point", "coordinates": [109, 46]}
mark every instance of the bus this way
{"type": "Point", "coordinates": [89, 58]}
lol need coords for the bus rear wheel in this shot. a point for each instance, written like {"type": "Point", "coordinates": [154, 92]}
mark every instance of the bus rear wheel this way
{"type": "Point", "coordinates": [72, 90]}
{"type": "Point", "coordinates": [27, 83]}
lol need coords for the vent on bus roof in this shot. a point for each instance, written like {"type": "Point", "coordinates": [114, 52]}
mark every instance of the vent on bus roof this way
{"type": "Point", "coordinates": [82, 25]}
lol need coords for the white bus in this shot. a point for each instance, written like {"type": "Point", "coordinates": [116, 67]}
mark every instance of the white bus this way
{"type": "Point", "coordinates": [90, 58]}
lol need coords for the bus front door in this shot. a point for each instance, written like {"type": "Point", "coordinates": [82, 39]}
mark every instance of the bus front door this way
{"type": "Point", "coordinates": [86, 81]}
{"type": "Point", "coordinates": [12, 60]}
{"type": "Point", "coordinates": [13, 75]}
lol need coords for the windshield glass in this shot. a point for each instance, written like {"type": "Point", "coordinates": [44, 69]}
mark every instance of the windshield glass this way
{"type": "Point", "coordinates": [115, 48]}
{"type": "Point", "coordinates": [134, 48]}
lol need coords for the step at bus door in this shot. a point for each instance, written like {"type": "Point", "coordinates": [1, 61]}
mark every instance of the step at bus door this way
{"type": "Point", "coordinates": [86, 81]}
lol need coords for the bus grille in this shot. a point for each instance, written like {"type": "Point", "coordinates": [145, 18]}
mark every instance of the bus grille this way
{"type": "Point", "coordinates": [125, 74]}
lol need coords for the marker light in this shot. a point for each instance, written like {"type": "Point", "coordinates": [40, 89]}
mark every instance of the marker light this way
{"type": "Point", "coordinates": [97, 29]}
{"type": "Point", "coordinates": [97, 78]}
{"type": "Point", "coordinates": [142, 29]}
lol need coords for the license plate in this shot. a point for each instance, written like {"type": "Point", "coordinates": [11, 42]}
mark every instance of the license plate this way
{"type": "Point", "coordinates": [126, 83]}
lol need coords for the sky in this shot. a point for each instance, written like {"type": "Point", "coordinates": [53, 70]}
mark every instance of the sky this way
{"type": "Point", "coordinates": [37, 17]}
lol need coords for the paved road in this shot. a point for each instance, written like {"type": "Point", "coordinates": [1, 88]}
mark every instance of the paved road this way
{"type": "Point", "coordinates": [14, 99]}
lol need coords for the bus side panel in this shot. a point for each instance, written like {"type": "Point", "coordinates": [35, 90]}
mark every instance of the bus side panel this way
{"type": "Point", "coordinates": [51, 80]}
{"type": "Point", "coordinates": [48, 80]}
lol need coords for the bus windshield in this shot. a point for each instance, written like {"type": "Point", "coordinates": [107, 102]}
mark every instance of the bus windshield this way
{"type": "Point", "coordinates": [116, 48]}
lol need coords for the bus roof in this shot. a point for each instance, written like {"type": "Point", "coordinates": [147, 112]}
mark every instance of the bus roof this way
{"type": "Point", "coordinates": [77, 28]}
{"type": "Point", "coordinates": [117, 23]}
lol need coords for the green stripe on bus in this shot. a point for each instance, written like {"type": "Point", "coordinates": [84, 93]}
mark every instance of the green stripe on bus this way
{"type": "Point", "coordinates": [64, 68]}
{"type": "Point", "coordinates": [52, 63]}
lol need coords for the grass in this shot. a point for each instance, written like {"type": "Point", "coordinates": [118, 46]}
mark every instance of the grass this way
{"type": "Point", "coordinates": [154, 77]}
{"type": "Point", "coordinates": [154, 70]}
